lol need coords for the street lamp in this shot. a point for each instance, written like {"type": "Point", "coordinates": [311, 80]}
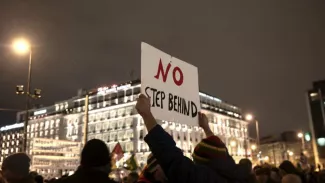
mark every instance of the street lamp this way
{"type": "Point", "coordinates": [22, 46]}
{"type": "Point", "coordinates": [253, 147]}
{"type": "Point", "coordinates": [301, 136]}
{"type": "Point", "coordinates": [250, 117]}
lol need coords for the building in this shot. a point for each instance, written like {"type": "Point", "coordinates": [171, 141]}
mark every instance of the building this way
{"type": "Point", "coordinates": [53, 158]}
{"type": "Point", "coordinates": [285, 146]}
{"type": "Point", "coordinates": [112, 118]}
{"type": "Point", "coordinates": [11, 138]}
{"type": "Point", "coordinates": [316, 110]}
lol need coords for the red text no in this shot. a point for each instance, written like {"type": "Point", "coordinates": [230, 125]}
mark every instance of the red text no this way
{"type": "Point", "coordinates": [164, 73]}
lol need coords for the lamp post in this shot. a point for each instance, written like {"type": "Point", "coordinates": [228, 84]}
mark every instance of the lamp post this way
{"type": "Point", "coordinates": [301, 136]}
{"type": "Point", "coordinates": [250, 117]}
{"type": "Point", "coordinates": [22, 47]}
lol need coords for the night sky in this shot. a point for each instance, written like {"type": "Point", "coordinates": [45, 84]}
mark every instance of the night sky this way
{"type": "Point", "coordinates": [259, 55]}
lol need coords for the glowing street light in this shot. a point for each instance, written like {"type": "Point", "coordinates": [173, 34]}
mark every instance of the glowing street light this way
{"type": "Point", "coordinates": [249, 117]}
{"type": "Point", "coordinates": [233, 143]}
{"type": "Point", "coordinates": [21, 46]}
{"type": "Point", "coordinates": [253, 147]}
{"type": "Point", "coordinates": [301, 136]}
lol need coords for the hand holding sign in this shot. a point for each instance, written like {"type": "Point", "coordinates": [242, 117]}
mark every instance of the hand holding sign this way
{"type": "Point", "coordinates": [143, 108]}
{"type": "Point", "coordinates": [143, 105]}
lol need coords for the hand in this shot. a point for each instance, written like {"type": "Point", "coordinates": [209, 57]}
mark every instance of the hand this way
{"type": "Point", "coordinates": [203, 121]}
{"type": "Point", "coordinates": [204, 124]}
{"type": "Point", "coordinates": [143, 108]}
{"type": "Point", "coordinates": [143, 105]}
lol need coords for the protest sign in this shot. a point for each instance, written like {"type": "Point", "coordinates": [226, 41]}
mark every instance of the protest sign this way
{"type": "Point", "coordinates": [172, 86]}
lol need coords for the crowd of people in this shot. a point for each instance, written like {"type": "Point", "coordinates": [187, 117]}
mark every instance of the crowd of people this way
{"type": "Point", "coordinates": [166, 164]}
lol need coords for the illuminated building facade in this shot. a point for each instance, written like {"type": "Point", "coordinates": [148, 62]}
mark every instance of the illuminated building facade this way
{"type": "Point", "coordinates": [53, 158]}
{"type": "Point", "coordinates": [113, 118]}
{"type": "Point", "coordinates": [11, 139]}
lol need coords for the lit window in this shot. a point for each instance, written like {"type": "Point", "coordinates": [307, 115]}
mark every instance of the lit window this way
{"type": "Point", "coordinates": [57, 107]}
{"type": "Point", "coordinates": [13, 136]}
{"type": "Point", "coordinates": [8, 137]}
{"type": "Point", "coordinates": [57, 122]}
{"type": "Point", "coordinates": [120, 135]}
{"type": "Point", "coordinates": [41, 134]}
{"type": "Point", "coordinates": [52, 131]}
{"type": "Point", "coordinates": [46, 124]}
{"type": "Point", "coordinates": [17, 149]}
{"type": "Point", "coordinates": [17, 142]}
{"type": "Point", "coordinates": [52, 124]}
{"type": "Point", "coordinates": [32, 128]}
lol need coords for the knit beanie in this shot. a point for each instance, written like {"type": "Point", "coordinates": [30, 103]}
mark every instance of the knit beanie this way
{"type": "Point", "coordinates": [18, 164]}
{"type": "Point", "coordinates": [95, 154]}
{"type": "Point", "coordinates": [208, 149]}
{"type": "Point", "coordinates": [151, 163]}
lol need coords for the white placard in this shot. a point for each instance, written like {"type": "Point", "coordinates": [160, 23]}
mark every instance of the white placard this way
{"type": "Point", "coordinates": [172, 86]}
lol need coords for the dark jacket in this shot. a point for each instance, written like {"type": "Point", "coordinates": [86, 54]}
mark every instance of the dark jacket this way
{"type": "Point", "coordinates": [83, 175]}
{"type": "Point", "coordinates": [228, 169]}
{"type": "Point", "coordinates": [177, 167]}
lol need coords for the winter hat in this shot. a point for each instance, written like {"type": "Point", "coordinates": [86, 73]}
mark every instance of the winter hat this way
{"type": "Point", "coordinates": [208, 149]}
{"type": "Point", "coordinates": [95, 154]}
{"type": "Point", "coordinates": [18, 164]}
{"type": "Point", "coordinates": [288, 167]}
{"type": "Point", "coordinates": [151, 163]}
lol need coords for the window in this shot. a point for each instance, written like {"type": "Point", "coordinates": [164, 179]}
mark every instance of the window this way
{"type": "Point", "coordinates": [52, 124]}
{"type": "Point", "coordinates": [57, 123]}
{"type": "Point", "coordinates": [136, 90]}
{"type": "Point", "coordinates": [41, 126]}
{"type": "Point", "coordinates": [120, 135]}
{"type": "Point", "coordinates": [128, 122]}
{"type": "Point", "coordinates": [98, 126]}
{"type": "Point", "coordinates": [120, 123]}
{"type": "Point", "coordinates": [46, 125]}
{"type": "Point", "coordinates": [121, 112]}
{"type": "Point", "coordinates": [99, 116]}
{"type": "Point", "coordinates": [128, 92]}
{"type": "Point", "coordinates": [105, 126]}
{"type": "Point", "coordinates": [113, 113]}
{"type": "Point", "coordinates": [112, 124]}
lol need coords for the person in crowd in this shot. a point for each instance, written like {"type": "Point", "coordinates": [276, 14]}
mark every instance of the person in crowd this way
{"type": "Point", "coordinates": [286, 167]}
{"type": "Point", "coordinates": [249, 167]}
{"type": "Point", "coordinates": [39, 179]}
{"type": "Point", "coordinates": [275, 175]}
{"type": "Point", "coordinates": [291, 178]}
{"type": "Point", "coordinates": [212, 152]}
{"type": "Point", "coordinates": [175, 165]}
{"type": "Point", "coordinates": [15, 168]}
{"type": "Point", "coordinates": [153, 172]}
{"type": "Point", "coordinates": [132, 177]}
{"type": "Point", "coordinates": [95, 164]}
{"type": "Point", "coordinates": [263, 175]}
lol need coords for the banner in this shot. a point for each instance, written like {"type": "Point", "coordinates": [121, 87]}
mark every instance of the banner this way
{"type": "Point", "coordinates": [172, 86]}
